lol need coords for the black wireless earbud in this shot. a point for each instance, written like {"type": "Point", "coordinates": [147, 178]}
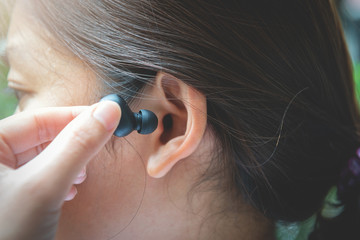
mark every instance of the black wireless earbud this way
{"type": "Point", "coordinates": [145, 122]}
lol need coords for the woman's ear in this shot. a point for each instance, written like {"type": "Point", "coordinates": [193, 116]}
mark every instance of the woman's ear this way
{"type": "Point", "coordinates": [182, 122]}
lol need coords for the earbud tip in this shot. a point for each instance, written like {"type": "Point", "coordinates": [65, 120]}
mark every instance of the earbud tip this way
{"type": "Point", "coordinates": [149, 122]}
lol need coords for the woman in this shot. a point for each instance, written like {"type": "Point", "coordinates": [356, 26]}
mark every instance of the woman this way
{"type": "Point", "coordinates": [255, 103]}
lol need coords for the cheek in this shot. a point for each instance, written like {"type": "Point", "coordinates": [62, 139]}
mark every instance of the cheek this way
{"type": "Point", "coordinates": [118, 175]}
{"type": "Point", "coordinates": [110, 196]}
{"type": "Point", "coordinates": [44, 99]}
{"type": "Point", "coordinates": [59, 94]}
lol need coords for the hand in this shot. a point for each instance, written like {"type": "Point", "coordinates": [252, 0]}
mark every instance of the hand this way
{"type": "Point", "coordinates": [34, 180]}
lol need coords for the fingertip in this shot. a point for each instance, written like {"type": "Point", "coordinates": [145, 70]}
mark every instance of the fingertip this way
{"type": "Point", "coordinates": [108, 114]}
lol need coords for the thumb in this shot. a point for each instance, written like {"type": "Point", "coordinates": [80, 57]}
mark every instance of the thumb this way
{"type": "Point", "coordinates": [60, 163]}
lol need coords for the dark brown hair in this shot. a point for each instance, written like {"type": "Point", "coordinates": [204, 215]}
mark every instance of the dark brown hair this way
{"type": "Point", "coordinates": [276, 74]}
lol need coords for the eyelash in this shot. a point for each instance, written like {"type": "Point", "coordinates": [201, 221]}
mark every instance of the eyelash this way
{"type": "Point", "coordinates": [17, 93]}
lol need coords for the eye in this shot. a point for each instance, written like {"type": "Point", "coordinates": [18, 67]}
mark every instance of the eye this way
{"type": "Point", "coordinates": [21, 92]}
{"type": "Point", "coordinates": [18, 93]}
{"type": "Point", "coordinates": [9, 102]}
{"type": "Point", "coordinates": [8, 91]}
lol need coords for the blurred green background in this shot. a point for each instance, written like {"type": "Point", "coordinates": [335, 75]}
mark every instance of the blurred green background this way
{"type": "Point", "coordinates": [7, 98]}
{"type": "Point", "coordinates": [357, 81]}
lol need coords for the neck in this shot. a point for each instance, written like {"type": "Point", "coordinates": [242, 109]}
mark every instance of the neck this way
{"type": "Point", "coordinates": [173, 208]}
{"type": "Point", "coordinates": [194, 215]}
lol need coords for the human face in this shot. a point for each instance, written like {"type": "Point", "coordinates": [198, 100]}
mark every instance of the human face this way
{"type": "Point", "coordinates": [42, 74]}
{"type": "Point", "coordinates": [45, 74]}
{"type": "Point", "coordinates": [119, 199]}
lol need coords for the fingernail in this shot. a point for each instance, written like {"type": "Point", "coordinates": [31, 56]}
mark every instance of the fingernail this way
{"type": "Point", "coordinates": [79, 180]}
{"type": "Point", "coordinates": [81, 177]}
{"type": "Point", "coordinates": [71, 195]}
{"type": "Point", "coordinates": [82, 173]}
{"type": "Point", "coordinates": [104, 113]}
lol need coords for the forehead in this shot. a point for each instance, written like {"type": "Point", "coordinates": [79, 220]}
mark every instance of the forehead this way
{"type": "Point", "coordinates": [36, 57]}
{"type": "Point", "coordinates": [30, 45]}
{"type": "Point", "coordinates": [28, 42]}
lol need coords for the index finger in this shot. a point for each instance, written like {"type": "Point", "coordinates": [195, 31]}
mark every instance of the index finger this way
{"type": "Point", "coordinates": [27, 130]}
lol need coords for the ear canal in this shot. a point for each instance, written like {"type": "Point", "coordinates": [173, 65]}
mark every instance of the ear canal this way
{"type": "Point", "coordinates": [145, 122]}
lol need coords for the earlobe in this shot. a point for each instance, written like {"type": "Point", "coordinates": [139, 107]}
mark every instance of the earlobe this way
{"type": "Point", "coordinates": [182, 124]}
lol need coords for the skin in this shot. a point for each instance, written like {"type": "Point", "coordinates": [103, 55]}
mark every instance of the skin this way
{"type": "Point", "coordinates": [34, 181]}
{"type": "Point", "coordinates": [141, 188]}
